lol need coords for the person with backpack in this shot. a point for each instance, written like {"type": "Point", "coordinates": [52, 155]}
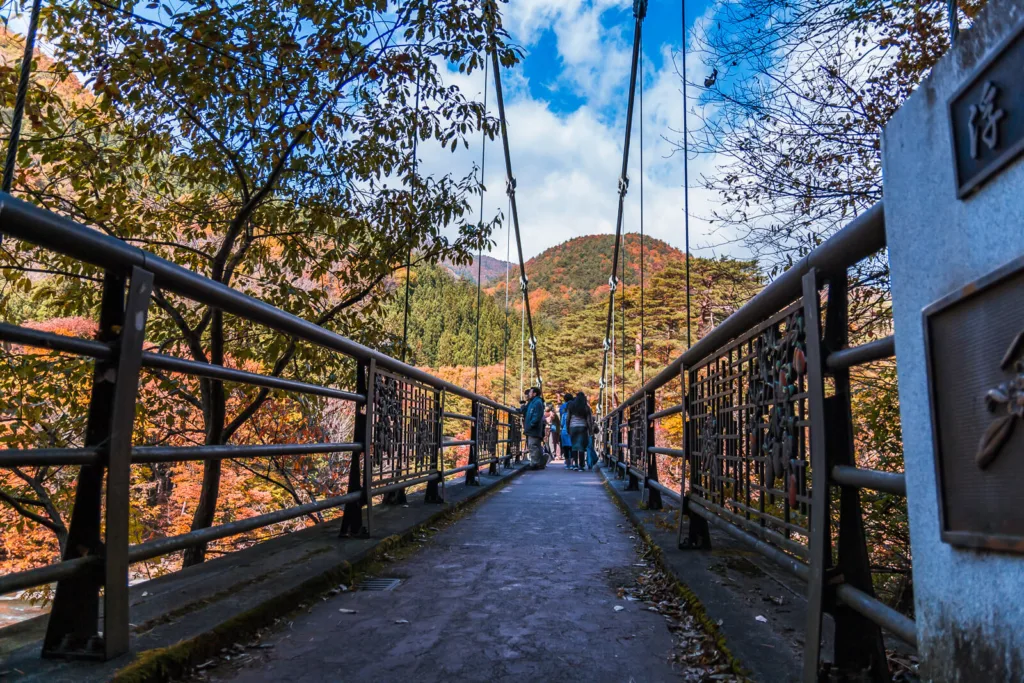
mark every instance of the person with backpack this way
{"type": "Point", "coordinates": [581, 423]}
{"type": "Point", "coordinates": [563, 414]}
{"type": "Point", "coordinates": [532, 410]}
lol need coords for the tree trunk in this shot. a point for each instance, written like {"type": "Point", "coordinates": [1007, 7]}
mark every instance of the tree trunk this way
{"type": "Point", "coordinates": [215, 401]}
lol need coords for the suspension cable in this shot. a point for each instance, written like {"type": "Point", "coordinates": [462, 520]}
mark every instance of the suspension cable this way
{"type": "Point", "coordinates": [504, 362]}
{"type": "Point", "coordinates": [686, 184]}
{"type": "Point", "coordinates": [639, 11]}
{"type": "Point", "coordinates": [642, 332]}
{"type": "Point", "coordinates": [22, 95]}
{"type": "Point", "coordinates": [522, 348]}
{"type": "Point", "coordinates": [510, 188]}
{"type": "Point", "coordinates": [480, 250]}
{"type": "Point", "coordinates": [625, 343]}
{"type": "Point", "coordinates": [415, 178]}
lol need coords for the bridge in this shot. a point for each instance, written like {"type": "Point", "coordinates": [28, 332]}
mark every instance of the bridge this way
{"type": "Point", "coordinates": [754, 566]}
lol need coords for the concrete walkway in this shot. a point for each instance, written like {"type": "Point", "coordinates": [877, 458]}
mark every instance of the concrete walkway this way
{"type": "Point", "coordinates": [523, 588]}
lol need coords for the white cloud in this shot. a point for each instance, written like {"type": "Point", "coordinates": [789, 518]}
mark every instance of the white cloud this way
{"type": "Point", "coordinates": [567, 164]}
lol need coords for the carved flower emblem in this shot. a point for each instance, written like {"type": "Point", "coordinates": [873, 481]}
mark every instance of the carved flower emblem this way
{"type": "Point", "coordinates": [1006, 402]}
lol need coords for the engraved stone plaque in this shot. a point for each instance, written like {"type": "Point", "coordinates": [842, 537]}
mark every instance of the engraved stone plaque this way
{"type": "Point", "coordinates": [975, 344]}
{"type": "Point", "coordinates": [974, 339]}
{"type": "Point", "coordinates": [986, 116]}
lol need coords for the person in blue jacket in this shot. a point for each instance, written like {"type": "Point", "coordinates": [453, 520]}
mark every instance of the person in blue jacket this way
{"type": "Point", "coordinates": [533, 427]}
{"type": "Point", "coordinates": [566, 439]}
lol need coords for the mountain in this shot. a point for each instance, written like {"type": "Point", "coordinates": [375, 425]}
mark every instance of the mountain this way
{"type": "Point", "coordinates": [492, 269]}
{"type": "Point", "coordinates": [570, 276]}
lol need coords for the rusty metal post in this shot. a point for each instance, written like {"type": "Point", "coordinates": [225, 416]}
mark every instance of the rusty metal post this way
{"type": "Point", "coordinates": [472, 478]}
{"type": "Point", "coordinates": [820, 539]}
{"type": "Point", "coordinates": [352, 517]}
{"type": "Point", "coordinates": [859, 648]}
{"type": "Point", "coordinates": [698, 535]}
{"type": "Point", "coordinates": [369, 448]}
{"type": "Point", "coordinates": [653, 495]}
{"type": "Point", "coordinates": [119, 465]}
{"type": "Point", "coordinates": [72, 627]}
{"type": "Point", "coordinates": [435, 489]}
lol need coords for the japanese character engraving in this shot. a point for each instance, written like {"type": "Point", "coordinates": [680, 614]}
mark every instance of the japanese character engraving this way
{"type": "Point", "coordinates": [984, 120]}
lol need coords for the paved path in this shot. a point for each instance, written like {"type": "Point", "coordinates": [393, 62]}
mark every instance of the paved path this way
{"type": "Point", "coordinates": [521, 589]}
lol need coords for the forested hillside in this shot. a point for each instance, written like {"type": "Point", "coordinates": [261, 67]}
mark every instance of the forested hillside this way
{"type": "Point", "coordinates": [569, 276]}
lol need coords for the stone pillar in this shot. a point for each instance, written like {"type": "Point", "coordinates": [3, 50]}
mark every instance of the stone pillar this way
{"type": "Point", "coordinates": [969, 602]}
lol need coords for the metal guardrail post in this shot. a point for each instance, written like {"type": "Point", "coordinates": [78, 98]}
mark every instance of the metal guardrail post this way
{"type": "Point", "coordinates": [472, 478]}
{"type": "Point", "coordinates": [820, 539]}
{"type": "Point", "coordinates": [352, 517]}
{"type": "Point", "coordinates": [653, 494]}
{"type": "Point", "coordinates": [72, 628]}
{"type": "Point", "coordinates": [369, 448]}
{"type": "Point", "coordinates": [859, 648]}
{"type": "Point", "coordinates": [633, 483]}
{"type": "Point", "coordinates": [698, 534]}
{"type": "Point", "coordinates": [435, 489]}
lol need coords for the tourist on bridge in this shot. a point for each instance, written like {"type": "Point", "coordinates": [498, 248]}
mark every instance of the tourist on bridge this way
{"type": "Point", "coordinates": [563, 414]}
{"type": "Point", "coordinates": [532, 410]}
{"type": "Point", "coordinates": [554, 430]}
{"type": "Point", "coordinates": [581, 423]}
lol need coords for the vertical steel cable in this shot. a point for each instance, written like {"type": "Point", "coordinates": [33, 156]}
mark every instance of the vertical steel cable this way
{"type": "Point", "coordinates": [686, 184]}
{"type": "Point", "coordinates": [510, 188]}
{"type": "Point", "coordinates": [22, 95]}
{"type": "Point", "coordinates": [504, 362]}
{"type": "Point", "coordinates": [522, 349]}
{"type": "Point", "coordinates": [642, 334]}
{"type": "Point", "coordinates": [625, 343]}
{"type": "Point", "coordinates": [639, 12]}
{"type": "Point", "coordinates": [415, 175]}
{"type": "Point", "coordinates": [480, 251]}
{"type": "Point", "coordinates": [954, 22]}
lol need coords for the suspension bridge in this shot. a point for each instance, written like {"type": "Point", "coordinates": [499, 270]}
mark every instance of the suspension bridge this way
{"type": "Point", "coordinates": [753, 566]}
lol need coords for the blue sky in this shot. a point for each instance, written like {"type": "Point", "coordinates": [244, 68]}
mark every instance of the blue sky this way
{"type": "Point", "coordinates": [566, 107]}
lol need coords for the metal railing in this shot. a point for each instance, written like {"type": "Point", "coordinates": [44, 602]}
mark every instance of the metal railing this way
{"type": "Point", "coordinates": [764, 445]}
{"type": "Point", "coordinates": [399, 428]}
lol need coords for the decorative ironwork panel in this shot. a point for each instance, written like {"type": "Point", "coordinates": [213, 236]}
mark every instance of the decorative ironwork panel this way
{"type": "Point", "coordinates": [486, 432]}
{"type": "Point", "coordinates": [406, 421]}
{"type": "Point", "coordinates": [748, 406]}
{"type": "Point", "coordinates": [514, 435]}
{"type": "Point", "coordinates": [637, 434]}
{"type": "Point", "coordinates": [619, 439]}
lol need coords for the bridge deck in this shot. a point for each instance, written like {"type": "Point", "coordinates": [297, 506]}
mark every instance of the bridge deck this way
{"type": "Point", "coordinates": [524, 588]}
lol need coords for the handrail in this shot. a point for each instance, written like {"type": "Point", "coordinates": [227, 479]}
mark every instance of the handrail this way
{"type": "Point", "coordinates": [860, 238]}
{"type": "Point", "coordinates": [27, 222]}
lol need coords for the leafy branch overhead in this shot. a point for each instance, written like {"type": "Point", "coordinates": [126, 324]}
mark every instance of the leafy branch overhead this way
{"type": "Point", "coordinates": [267, 145]}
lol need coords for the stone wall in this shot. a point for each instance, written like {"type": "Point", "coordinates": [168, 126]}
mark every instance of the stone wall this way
{"type": "Point", "coordinates": [969, 603]}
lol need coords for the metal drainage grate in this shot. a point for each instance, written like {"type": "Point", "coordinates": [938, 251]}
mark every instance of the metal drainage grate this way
{"type": "Point", "coordinates": [379, 584]}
